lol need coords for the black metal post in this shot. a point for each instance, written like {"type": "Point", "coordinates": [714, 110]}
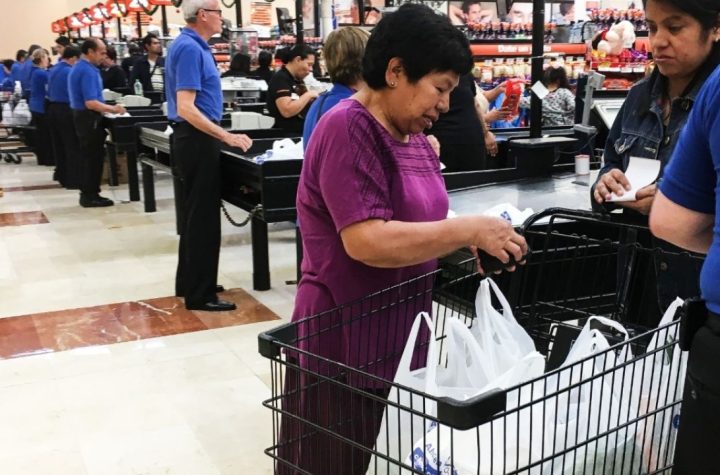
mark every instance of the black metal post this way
{"type": "Point", "coordinates": [238, 14]}
{"type": "Point", "coordinates": [102, 29]}
{"type": "Point", "coordinates": [361, 9]}
{"type": "Point", "coordinates": [316, 16]}
{"type": "Point", "coordinates": [138, 18]}
{"type": "Point", "coordinates": [119, 27]}
{"type": "Point", "coordinates": [165, 27]}
{"type": "Point", "coordinates": [538, 50]}
{"type": "Point", "coordinates": [299, 26]}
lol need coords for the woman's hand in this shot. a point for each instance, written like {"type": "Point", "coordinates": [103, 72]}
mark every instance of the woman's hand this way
{"type": "Point", "coordinates": [498, 238]}
{"type": "Point", "coordinates": [491, 144]}
{"type": "Point", "coordinates": [613, 181]}
{"type": "Point", "coordinates": [493, 93]}
{"type": "Point", "coordinates": [497, 114]}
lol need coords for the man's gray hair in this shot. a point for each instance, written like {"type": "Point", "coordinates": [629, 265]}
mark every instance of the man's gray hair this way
{"type": "Point", "coordinates": [191, 7]}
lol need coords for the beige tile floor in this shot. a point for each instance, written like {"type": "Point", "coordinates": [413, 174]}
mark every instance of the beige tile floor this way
{"type": "Point", "coordinates": [184, 404]}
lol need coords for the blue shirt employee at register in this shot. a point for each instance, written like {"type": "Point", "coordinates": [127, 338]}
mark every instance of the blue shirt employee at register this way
{"type": "Point", "coordinates": [195, 108]}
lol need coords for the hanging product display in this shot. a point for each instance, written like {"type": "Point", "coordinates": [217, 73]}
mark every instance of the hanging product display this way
{"type": "Point", "coordinates": [117, 8]}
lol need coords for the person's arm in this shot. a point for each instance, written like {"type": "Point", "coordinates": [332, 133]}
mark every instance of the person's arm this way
{"type": "Point", "coordinates": [393, 244]}
{"type": "Point", "coordinates": [490, 141]}
{"type": "Point", "coordinates": [102, 108]}
{"type": "Point", "coordinates": [612, 161]}
{"type": "Point", "coordinates": [568, 101]}
{"type": "Point", "coordinates": [681, 226]}
{"type": "Point", "coordinates": [187, 109]}
{"type": "Point", "coordinates": [290, 108]}
{"type": "Point", "coordinates": [493, 93]}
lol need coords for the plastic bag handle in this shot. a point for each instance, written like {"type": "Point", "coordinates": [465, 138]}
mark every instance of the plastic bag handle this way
{"type": "Point", "coordinates": [406, 358]}
{"type": "Point", "coordinates": [507, 311]}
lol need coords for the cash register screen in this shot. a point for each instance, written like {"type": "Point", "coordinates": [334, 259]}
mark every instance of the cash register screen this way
{"type": "Point", "coordinates": [608, 110]}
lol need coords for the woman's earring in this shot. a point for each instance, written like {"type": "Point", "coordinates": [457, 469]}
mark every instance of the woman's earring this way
{"type": "Point", "coordinates": [392, 84]}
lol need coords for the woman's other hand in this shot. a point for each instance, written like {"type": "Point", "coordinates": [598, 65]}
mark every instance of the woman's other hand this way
{"type": "Point", "coordinates": [491, 143]}
{"type": "Point", "coordinates": [643, 200]}
{"type": "Point", "coordinates": [613, 181]}
{"type": "Point", "coordinates": [434, 143]}
{"type": "Point", "coordinates": [497, 114]}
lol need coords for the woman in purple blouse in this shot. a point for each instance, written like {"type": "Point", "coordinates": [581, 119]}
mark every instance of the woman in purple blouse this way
{"type": "Point", "coordinates": [372, 208]}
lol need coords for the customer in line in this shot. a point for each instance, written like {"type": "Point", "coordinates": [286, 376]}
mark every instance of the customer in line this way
{"type": "Point", "coordinates": [17, 67]}
{"type": "Point", "coordinates": [62, 128]}
{"type": "Point", "coordinates": [344, 50]}
{"type": "Point", "coordinates": [239, 66]}
{"type": "Point", "coordinates": [195, 107]}
{"type": "Point", "coordinates": [685, 213]}
{"type": "Point", "coordinates": [681, 34]}
{"type": "Point", "coordinates": [150, 69]}
{"type": "Point", "coordinates": [128, 64]}
{"type": "Point", "coordinates": [264, 71]}
{"type": "Point", "coordinates": [88, 105]}
{"type": "Point", "coordinates": [558, 107]}
{"type": "Point", "coordinates": [38, 96]}
{"type": "Point", "coordinates": [113, 76]}
{"type": "Point", "coordinates": [288, 99]}
{"type": "Point", "coordinates": [372, 208]}
{"type": "Point", "coordinates": [61, 42]}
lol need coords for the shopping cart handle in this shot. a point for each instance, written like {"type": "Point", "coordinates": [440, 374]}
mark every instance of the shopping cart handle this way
{"type": "Point", "coordinates": [269, 343]}
{"type": "Point", "coordinates": [492, 264]}
{"type": "Point", "coordinates": [464, 415]}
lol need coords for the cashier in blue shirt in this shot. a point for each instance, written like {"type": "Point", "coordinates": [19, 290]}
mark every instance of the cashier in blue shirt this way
{"type": "Point", "coordinates": [38, 95]}
{"type": "Point", "coordinates": [88, 105]}
{"type": "Point", "coordinates": [685, 213]}
{"type": "Point", "coordinates": [62, 128]}
{"type": "Point", "coordinates": [20, 58]}
{"type": "Point", "coordinates": [26, 71]}
{"type": "Point", "coordinates": [195, 108]}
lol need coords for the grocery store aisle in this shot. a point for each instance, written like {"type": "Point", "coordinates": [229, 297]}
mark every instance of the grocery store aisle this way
{"type": "Point", "coordinates": [101, 370]}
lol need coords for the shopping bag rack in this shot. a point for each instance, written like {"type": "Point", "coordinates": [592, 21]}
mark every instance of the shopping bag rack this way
{"type": "Point", "coordinates": [582, 264]}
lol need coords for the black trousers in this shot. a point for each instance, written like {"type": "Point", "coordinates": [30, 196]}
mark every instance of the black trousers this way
{"type": "Point", "coordinates": [462, 157]}
{"type": "Point", "coordinates": [43, 145]}
{"type": "Point", "coordinates": [196, 158]}
{"type": "Point", "coordinates": [699, 431]}
{"type": "Point", "coordinates": [91, 139]}
{"type": "Point", "coordinates": [65, 145]}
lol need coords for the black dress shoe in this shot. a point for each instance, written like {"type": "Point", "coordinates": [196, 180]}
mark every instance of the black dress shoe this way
{"type": "Point", "coordinates": [217, 306]}
{"type": "Point", "coordinates": [95, 201]}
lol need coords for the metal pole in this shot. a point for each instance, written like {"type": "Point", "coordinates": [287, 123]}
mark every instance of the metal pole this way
{"type": "Point", "coordinates": [238, 14]}
{"type": "Point", "coordinates": [138, 17]}
{"type": "Point", "coordinates": [119, 27]}
{"type": "Point", "coordinates": [316, 16]}
{"type": "Point", "coordinates": [165, 27]}
{"type": "Point", "coordinates": [102, 29]}
{"type": "Point", "coordinates": [299, 27]}
{"type": "Point", "coordinates": [538, 50]}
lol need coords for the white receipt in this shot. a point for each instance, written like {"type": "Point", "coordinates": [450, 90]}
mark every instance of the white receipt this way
{"type": "Point", "coordinates": [641, 172]}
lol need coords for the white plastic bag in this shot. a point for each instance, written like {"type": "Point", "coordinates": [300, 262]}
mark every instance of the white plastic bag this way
{"type": "Point", "coordinates": [663, 380]}
{"type": "Point", "coordinates": [500, 336]}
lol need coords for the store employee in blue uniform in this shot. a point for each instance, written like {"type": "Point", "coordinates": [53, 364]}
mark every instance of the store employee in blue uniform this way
{"type": "Point", "coordinates": [195, 108]}
{"type": "Point", "coordinates": [685, 212]}
{"type": "Point", "coordinates": [62, 129]}
{"type": "Point", "coordinates": [88, 106]}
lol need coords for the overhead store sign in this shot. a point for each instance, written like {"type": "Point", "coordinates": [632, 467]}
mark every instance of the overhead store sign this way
{"type": "Point", "coordinates": [116, 8]}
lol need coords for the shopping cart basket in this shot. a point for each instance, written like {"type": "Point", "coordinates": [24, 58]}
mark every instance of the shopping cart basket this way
{"type": "Point", "coordinates": [328, 402]}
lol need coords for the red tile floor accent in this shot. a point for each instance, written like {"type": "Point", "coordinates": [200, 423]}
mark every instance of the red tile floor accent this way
{"type": "Point", "coordinates": [21, 219]}
{"type": "Point", "coordinates": [116, 323]}
{"type": "Point", "coordinates": [52, 186]}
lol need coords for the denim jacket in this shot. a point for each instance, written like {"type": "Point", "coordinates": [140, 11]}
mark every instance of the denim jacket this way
{"type": "Point", "coordinates": [638, 130]}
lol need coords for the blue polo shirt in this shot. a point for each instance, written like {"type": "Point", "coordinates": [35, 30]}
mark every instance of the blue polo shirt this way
{"type": "Point", "coordinates": [15, 71]}
{"type": "Point", "coordinates": [321, 105]}
{"type": "Point", "coordinates": [84, 84]}
{"type": "Point", "coordinates": [692, 178]}
{"type": "Point", "coordinates": [38, 90]}
{"type": "Point", "coordinates": [190, 66]}
{"type": "Point", "coordinates": [25, 71]}
{"type": "Point", "coordinates": [58, 83]}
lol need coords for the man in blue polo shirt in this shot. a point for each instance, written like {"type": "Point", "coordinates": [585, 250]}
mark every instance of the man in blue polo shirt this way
{"type": "Point", "coordinates": [26, 71]}
{"type": "Point", "coordinates": [88, 106]}
{"type": "Point", "coordinates": [20, 59]}
{"type": "Point", "coordinates": [62, 129]}
{"type": "Point", "coordinates": [195, 108]}
{"type": "Point", "coordinates": [685, 213]}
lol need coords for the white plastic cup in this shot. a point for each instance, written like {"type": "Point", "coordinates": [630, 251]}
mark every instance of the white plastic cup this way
{"type": "Point", "coordinates": [582, 164]}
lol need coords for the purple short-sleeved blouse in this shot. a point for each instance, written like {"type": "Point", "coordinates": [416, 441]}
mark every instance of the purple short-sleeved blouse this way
{"type": "Point", "coordinates": [354, 170]}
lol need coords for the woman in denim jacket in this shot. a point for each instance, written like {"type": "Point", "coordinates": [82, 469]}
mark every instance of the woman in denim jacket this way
{"type": "Point", "coordinates": [684, 37]}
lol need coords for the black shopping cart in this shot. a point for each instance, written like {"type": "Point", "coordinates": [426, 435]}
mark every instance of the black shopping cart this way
{"type": "Point", "coordinates": [328, 403]}
{"type": "Point", "coordinates": [15, 141]}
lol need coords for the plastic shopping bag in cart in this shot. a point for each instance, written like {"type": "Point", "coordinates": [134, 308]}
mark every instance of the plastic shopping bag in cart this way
{"type": "Point", "coordinates": [500, 336]}
{"type": "Point", "coordinates": [461, 378]}
{"type": "Point", "coordinates": [663, 379]}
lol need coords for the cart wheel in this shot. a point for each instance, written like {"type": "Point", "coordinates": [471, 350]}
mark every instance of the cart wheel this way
{"type": "Point", "coordinates": [5, 157]}
{"type": "Point", "coordinates": [16, 158]}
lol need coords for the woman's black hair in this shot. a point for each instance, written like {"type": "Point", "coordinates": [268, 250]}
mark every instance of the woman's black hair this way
{"type": "Point", "coordinates": [557, 76]}
{"type": "Point", "coordinates": [423, 40]}
{"type": "Point", "coordinates": [707, 12]}
{"type": "Point", "coordinates": [240, 63]}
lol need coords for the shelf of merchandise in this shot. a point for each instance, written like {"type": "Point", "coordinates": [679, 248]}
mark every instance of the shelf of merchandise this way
{"type": "Point", "coordinates": [523, 48]}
